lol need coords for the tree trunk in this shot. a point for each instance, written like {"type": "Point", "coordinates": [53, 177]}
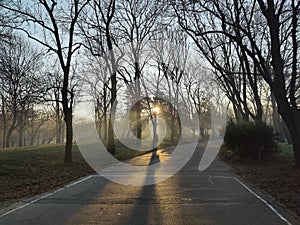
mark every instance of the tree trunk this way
{"type": "Point", "coordinates": [138, 121]}
{"type": "Point", "coordinates": [296, 148]}
{"type": "Point", "coordinates": [21, 129]}
{"type": "Point", "coordinates": [9, 133]}
{"type": "Point", "coordinates": [277, 121]}
{"type": "Point", "coordinates": [32, 136]}
{"type": "Point", "coordinates": [237, 113]}
{"type": "Point", "coordinates": [21, 135]}
{"type": "Point", "coordinates": [138, 109]}
{"type": "Point", "coordinates": [293, 124]}
{"type": "Point", "coordinates": [111, 136]}
{"type": "Point", "coordinates": [173, 121]}
{"type": "Point", "coordinates": [98, 117]}
{"type": "Point", "coordinates": [58, 123]}
{"type": "Point", "coordinates": [286, 132]}
{"type": "Point", "coordinates": [63, 133]}
{"type": "Point", "coordinates": [67, 104]}
{"type": "Point", "coordinates": [111, 141]}
{"type": "Point", "coordinates": [60, 131]}
{"type": "Point", "coordinates": [69, 141]}
{"type": "Point", "coordinates": [290, 115]}
{"type": "Point", "coordinates": [105, 113]}
{"type": "Point", "coordinates": [292, 120]}
{"type": "Point", "coordinates": [4, 122]}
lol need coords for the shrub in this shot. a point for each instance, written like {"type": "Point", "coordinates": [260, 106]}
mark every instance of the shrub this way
{"type": "Point", "coordinates": [253, 140]}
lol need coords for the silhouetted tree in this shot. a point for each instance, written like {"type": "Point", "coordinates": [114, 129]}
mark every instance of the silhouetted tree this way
{"type": "Point", "coordinates": [53, 25]}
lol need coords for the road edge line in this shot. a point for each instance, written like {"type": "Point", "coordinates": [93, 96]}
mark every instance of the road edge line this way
{"type": "Point", "coordinates": [47, 195]}
{"type": "Point", "coordinates": [264, 201]}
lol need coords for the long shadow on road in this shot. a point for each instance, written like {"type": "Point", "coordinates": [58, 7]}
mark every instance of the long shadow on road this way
{"type": "Point", "coordinates": [213, 197]}
{"type": "Point", "coordinates": [145, 210]}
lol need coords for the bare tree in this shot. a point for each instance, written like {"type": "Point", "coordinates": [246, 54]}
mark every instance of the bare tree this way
{"type": "Point", "coordinates": [35, 122]}
{"type": "Point", "coordinates": [55, 22]}
{"type": "Point", "coordinates": [236, 72]}
{"type": "Point", "coordinates": [267, 32]}
{"type": "Point", "coordinates": [199, 86]}
{"type": "Point", "coordinates": [20, 84]}
{"type": "Point", "coordinates": [98, 82]}
{"type": "Point", "coordinates": [171, 54]}
{"type": "Point", "coordinates": [99, 32]}
{"type": "Point", "coordinates": [138, 22]}
{"type": "Point", "coordinates": [53, 95]}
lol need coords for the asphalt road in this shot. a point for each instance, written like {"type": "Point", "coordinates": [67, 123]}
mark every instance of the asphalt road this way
{"type": "Point", "coordinates": [213, 197]}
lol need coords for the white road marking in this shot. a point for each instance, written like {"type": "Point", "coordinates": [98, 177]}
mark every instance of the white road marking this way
{"type": "Point", "coordinates": [202, 188]}
{"type": "Point", "coordinates": [29, 203]}
{"type": "Point", "coordinates": [13, 210]}
{"type": "Point", "coordinates": [223, 177]}
{"type": "Point", "coordinates": [96, 175]}
{"type": "Point", "coordinates": [210, 177]}
{"type": "Point", "coordinates": [79, 181]}
{"type": "Point", "coordinates": [47, 195]}
{"type": "Point", "coordinates": [264, 201]}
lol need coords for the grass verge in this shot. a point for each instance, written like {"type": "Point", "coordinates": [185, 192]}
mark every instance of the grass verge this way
{"type": "Point", "coordinates": [30, 171]}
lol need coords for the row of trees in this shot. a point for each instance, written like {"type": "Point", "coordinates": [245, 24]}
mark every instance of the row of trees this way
{"type": "Point", "coordinates": [251, 48]}
{"type": "Point", "coordinates": [53, 27]}
{"type": "Point", "coordinates": [248, 43]}
{"type": "Point", "coordinates": [25, 121]}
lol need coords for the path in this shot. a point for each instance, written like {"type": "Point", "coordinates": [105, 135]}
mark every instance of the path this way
{"type": "Point", "coordinates": [213, 197]}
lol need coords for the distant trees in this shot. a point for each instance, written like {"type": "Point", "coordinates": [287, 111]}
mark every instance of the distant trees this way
{"type": "Point", "coordinates": [236, 72]}
{"type": "Point", "coordinates": [55, 23]}
{"type": "Point", "coordinates": [252, 48]}
{"type": "Point", "coordinates": [266, 38]}
{"type": "Point", "coordinates": [171, 54]}
{"type": "Point", "coordinates": [21, 85]}
{"type": "Point", "coordinates": [98, 29]}
{"type": "Point", "coordinates": [117, 32]}
{"type": "Point", "coordinates": [98, 85]}
{"type": "Point", "coordinates": [199, 86]}
{"type": "Point", "coordinates": [137, 22]}
{"type": "Point", "coordinates": [53, 97]}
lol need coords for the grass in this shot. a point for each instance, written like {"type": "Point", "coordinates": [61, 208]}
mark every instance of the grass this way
{"type": "Point", "coordinates": [34, 170]}
{"type": "Point", "coordinates": [29, 171]}
{"type": "Point", "coordinates": [285, 150]}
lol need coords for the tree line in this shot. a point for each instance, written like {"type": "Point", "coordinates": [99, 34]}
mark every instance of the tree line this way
{"type": "Point", "coordinates": [26, 117]}
{"type": "Point", "coordinates": [248, 48]}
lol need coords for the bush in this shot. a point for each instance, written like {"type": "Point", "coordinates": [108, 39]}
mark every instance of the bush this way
{"type": "Point", "coordinates": [253, 140]}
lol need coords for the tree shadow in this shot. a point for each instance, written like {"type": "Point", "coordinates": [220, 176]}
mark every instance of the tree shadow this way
{"type": "Point", "coordinates": [146, 209]}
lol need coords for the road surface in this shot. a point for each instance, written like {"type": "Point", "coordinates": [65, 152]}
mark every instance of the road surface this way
{"type": "Point", "coordinates": [214, 197]}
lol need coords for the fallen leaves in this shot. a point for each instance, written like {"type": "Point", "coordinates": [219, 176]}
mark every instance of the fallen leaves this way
{"type": "Point", "coordinates": [278, 177]}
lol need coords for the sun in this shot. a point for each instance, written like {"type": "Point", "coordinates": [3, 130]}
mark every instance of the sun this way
{"type": "Point", "coordinates": [156, 110]}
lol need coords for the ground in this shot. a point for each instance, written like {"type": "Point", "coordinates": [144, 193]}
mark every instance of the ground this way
{"type": "Point", "coordinates": [278, 177]}
{"type": "Point", "coordinates": [30, 171]}
{"type": "Point", "coordinates": [34, 170]}
{"type": "Point", "coordinates": [27, 172]}
{"type": "Point", "coordinates": [215, 196]}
